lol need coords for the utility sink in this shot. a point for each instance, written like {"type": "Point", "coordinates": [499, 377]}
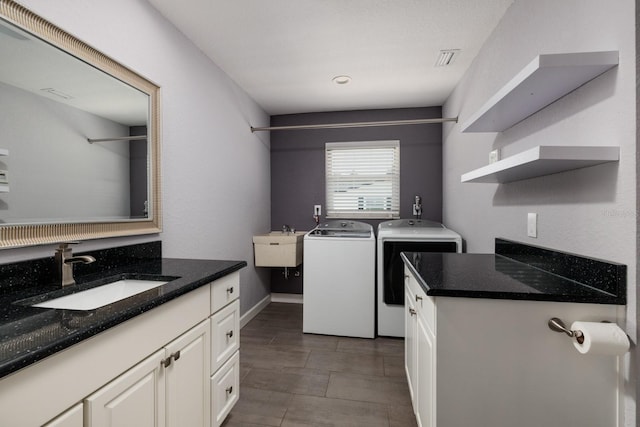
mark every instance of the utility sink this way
{"type": "Point", "coordinates": [101, 295]}
{"type": "Point", "coordinates": [278, 249]}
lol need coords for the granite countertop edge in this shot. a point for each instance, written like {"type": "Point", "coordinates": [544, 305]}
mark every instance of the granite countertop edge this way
{"type": "Point", "coordinates": [129, 308]}
{"type": "Point", "coordinates": [597, 297]}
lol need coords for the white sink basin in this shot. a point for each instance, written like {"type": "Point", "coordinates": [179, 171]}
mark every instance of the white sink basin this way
{"type": "Point", "coordinates": [278, 249]}
{"type": "Point", "coordinates": [101, 295]}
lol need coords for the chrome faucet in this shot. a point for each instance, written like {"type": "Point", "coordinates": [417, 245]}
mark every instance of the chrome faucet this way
{"type": "Point", "coordinates": [287, 229]}
{"type": "Point", "coordinates": [65, 260]}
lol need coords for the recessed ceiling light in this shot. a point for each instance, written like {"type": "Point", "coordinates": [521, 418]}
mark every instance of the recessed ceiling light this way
{"type": "Point", "coordinates": [341, 80]}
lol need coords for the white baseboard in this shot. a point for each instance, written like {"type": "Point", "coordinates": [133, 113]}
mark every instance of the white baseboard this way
{"type": "Point", "coordinates": [253, 311]}
{"type": "Point", "coordinates": [287, 298]}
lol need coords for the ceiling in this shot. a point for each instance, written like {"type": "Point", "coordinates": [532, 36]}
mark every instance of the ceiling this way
{"type": "Point", "coordinates": [284, 53]}
{"type": "Point", "coordinates": [34, 65]}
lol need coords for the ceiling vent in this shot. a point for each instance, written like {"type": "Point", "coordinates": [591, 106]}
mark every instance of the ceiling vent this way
{"type": "Point", "coordinates": [447, 57]}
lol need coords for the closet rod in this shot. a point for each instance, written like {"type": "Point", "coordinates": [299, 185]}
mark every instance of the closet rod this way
{"type": "Point", "coordinates": [121, 138]}
{"type": "Point", "coordinates": [357, 124]}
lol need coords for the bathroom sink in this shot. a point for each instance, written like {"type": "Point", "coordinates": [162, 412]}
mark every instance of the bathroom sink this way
{"type": "Point", "coordinates": [100, 296]}
{"type": "Point", "coordinates": [278, 249]}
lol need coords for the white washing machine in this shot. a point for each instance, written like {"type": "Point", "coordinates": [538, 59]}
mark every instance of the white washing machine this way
{"type": "Point", "coordinates": [394, 237]}
{"type": "Point", "coordinates": [339, 280]}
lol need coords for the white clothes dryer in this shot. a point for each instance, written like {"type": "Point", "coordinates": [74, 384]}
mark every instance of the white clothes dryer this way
{"type": "Point", "coordinates": [394, 237]}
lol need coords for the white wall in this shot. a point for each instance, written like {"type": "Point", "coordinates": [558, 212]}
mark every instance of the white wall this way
{"type": "Point", "coordinates": [54, 173]}
{"type": "Point", "coordinates": [591, 211]}
{"type": "Point", "coordinates": [216, 191]}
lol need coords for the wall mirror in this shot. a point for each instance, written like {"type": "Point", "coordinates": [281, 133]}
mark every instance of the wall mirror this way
{"type": "Point", "coordinates": [79, 138]}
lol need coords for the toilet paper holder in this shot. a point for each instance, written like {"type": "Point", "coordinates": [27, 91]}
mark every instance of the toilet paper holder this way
{"type": "Point", "coordinates": [558, 325]}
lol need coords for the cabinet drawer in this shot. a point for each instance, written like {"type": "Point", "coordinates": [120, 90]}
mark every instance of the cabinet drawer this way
{"type": "Point", "coordinates": [225, 290]}
{"type": "Point", "coordinates": [225, 334]}
{"type": "Point", "coordinates": [225, 389]}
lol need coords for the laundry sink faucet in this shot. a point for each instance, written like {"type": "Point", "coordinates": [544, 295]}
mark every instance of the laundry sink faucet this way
{"type": "Point", "coordinates": [64, 262]}
{"type": "Point", "coordinates": [287, 229]}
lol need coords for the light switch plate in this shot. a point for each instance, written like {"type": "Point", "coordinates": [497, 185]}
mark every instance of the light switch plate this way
{"type": "Point", "coordinates": [532, 224]}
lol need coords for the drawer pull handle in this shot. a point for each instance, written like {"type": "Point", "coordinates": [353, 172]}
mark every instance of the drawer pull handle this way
{"type": "Point", "coordinates": [230, 334]}
{"type": "Point", "coordinates": [412, 311]}
{"type": "Point", "coordinates": [229, 390]}
{"type": "Point", "coordinates": [176, 355]}
{"type": "Point", "coordinates": [230, 290]}
{"type": "Point", "coordinates": [418, 298]}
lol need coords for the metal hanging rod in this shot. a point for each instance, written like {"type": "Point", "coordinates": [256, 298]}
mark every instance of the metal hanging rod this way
{"type": "Point", "coordinates": [356, 124]}
{"type": "Point", "coordinates": [121, 138]}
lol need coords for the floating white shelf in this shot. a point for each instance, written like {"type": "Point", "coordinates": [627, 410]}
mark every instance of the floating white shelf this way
{"type": "Point", "coordinates": [546, 79]}
{"type": "Point", "coordinates": [4, 152]}
{"type": "Point", "coordinates": [542, 160]}
{"type": "Point", "coordinates": [4, 188]}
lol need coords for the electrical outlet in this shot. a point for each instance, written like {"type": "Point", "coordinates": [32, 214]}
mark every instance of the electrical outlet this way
{"type": "Point", "coordinates": [317, 210]}
{"type": "Point", "coordinates": [532, 224]}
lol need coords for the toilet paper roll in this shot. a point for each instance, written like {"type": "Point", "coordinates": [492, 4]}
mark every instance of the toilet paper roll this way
{"type": "Point", "coordinates": [601, 338]}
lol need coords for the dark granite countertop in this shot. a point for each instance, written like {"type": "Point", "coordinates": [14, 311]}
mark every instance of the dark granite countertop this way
{"type": "Point", "coordinates": [500, 277]}
{"type": "Point", "coordinates": [29, 334]}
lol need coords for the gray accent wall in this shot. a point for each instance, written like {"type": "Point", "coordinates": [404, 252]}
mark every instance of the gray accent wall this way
{"type": "Point", "coordinates": [591, 211]}
{"type": "Point", "coordinates": [298, 163]}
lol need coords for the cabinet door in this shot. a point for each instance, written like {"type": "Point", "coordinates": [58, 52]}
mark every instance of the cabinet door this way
{"type": "Point", "coordinates": [134, 399]}
{"type": "Point", "coordinates": [410, 342]}
{"type": "Point", "coordinates": [70, 418]}
{"type": "Point", "coordinates": [425, 375]}
{"type": "Point", "coordinates": [187, 379]}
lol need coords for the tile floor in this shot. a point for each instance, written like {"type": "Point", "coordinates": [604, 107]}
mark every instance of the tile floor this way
{"type": "Point", "coordinates": [293, 379]}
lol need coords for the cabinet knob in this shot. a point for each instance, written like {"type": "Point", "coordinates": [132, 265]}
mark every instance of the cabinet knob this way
{"type": "Point", "coordinates": [418, 298]}
{"type": "Point", "coordinates": [230, 290]}
{"type": "Point", "coordinates": [230, 334]}
{"type": "Point", "coordinates": [412, 311]}
{"type": "Point", "coordinates": [229, 390]}
{"type": "Point", "coordinates": [172, 357]}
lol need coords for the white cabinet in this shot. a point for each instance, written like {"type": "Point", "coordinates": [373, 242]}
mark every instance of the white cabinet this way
{"type": "Point", "coordinates": [172, 387]}
{"type": "Point", "coordinates": [225, 343]}
{"type": "Point", "coordinates": [169, 388]}
{"type": "Point", "coordinates": [494, 362]}
{"type": "Point", "coordinates": [70, 418]}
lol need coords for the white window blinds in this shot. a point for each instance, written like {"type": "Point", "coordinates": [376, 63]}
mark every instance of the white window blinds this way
{"type": "Point", "coordinates": [363, 179]}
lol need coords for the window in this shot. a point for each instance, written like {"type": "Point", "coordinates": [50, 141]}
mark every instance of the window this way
{"type": "Point", "coordinates": [363, 179]}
